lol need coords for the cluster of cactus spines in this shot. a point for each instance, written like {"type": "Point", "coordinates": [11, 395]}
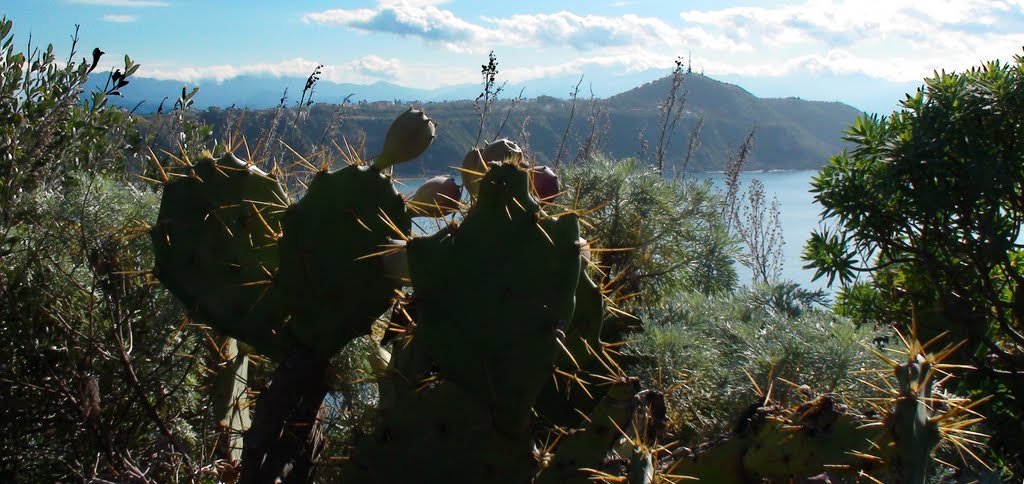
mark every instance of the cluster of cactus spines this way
{"type": "Point", "coordinates": [214, 243]}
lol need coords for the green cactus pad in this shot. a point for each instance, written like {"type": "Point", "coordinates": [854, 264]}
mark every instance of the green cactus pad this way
{"type": "Point", "coordinates": [564, 403]}
{"type": "Point", "coordinates": [777, 445]}
{"type": "Point", "coordinates": [586, 448]}
{"type": "Point", "coordinates": [492, 293]}
{"type": "Point", "coordinates": [441, 434]}
{"type": "Point", "coordinates": [333, 291]}
{"type": "Point", "coordinates": [214, 245]}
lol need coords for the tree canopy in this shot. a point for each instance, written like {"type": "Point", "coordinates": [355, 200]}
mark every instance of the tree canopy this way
{"type": "Point", "coordinates": [922, 225]}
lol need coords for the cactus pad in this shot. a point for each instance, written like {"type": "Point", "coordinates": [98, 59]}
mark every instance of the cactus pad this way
{"type": "Point", "coordinates": [333, 286]}
{"type": "Point", "coordinates": [214, 245]}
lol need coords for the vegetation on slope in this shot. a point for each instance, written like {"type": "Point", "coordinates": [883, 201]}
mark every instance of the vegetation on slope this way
{"type": "Point", "coordinates": [92, 348]}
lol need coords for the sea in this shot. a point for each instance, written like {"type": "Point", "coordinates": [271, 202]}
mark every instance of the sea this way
{"type": "Point", "coordinates": [798, 216]}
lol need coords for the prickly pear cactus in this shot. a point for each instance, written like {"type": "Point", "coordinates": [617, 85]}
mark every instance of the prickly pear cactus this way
{"type": "Point", "coordinates": [331, 288]}
{"type": "Point", "coordinates": [573, 391]}
{"type": "Point", "coordinates": [581, 451]}
{"type": "Point", "coordinates": [490, 296]}
{"type": "Point", "coordinates": [214, 243]}
{"type": "Point", "coordinates": [822, 436]}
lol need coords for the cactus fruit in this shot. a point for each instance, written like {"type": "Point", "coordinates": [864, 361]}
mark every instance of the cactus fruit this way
{"type": "Point", "coordinates": [332, 289]}
{"type": "Point", "coordinates": [475, 163]}
{"type": "Point", "coordinates": [543, 184]}
{"type": "Point", "coordinates": [472, 171]}
{"type": "Point", "coordinates": [214, 247]}
{"type": "Point", "coordinates": [502, 150]}
{"type": "Point", "coordinates": [409, 135]}
{"type": "Point", "coordinates": [437, 197]}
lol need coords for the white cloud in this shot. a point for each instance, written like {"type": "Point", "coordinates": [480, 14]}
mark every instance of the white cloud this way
{"type": "Point", "coordinates": [615, 64]}
{"type": "Point", "coordinates": [562, 29]}
{"type": "Point", "coordinates": [366, 69]}
{"type": "Point", "coordinates": [407, 19]}
{"type": "Point", "coordinates": [121, 3]}
{"type": "Point", "coordinates": [120, 19]}
{"type": "Point", "coordinates": [897, 40]}
{"type": "Point", "coordinates": [415, 3]}
{"type": "Point", "coordinates": [373, 66]}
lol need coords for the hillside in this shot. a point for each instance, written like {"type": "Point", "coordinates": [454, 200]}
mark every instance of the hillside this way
{"type": "Point", "coordinates": [791, 133]}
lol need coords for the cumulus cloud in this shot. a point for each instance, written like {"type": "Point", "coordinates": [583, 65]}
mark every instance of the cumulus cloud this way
{"type": "Point", "coordinates": [562, 29]}
{"type": "Point", "coordinates": [119, 19]}
{"type": "Point", "coordinates": [408, 19]}
{"type": "Point", "coordinates": [366, 69]}
{"type": "Point", "coordinates": [614, 64]}
{"type": "Point", "coordinates": [376, 67]}
{"type": "Point", "coordinates": [898, 40]}
{"type": "Point", "coordinates": [121, 3]}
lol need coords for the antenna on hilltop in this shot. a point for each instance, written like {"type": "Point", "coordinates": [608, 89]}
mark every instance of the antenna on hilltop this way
{"type": "Point", "coordinates": [689, 62]}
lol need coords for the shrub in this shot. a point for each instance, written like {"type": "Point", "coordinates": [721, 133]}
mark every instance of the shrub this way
{"type": "Point", "coordinates": [661, 237]}
{"type": "Point", "coordinates": [707, 353]}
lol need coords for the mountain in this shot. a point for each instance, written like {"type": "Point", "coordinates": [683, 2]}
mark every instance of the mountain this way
{"type": "Point", "coordinates": [260, 91]}
{"type": "Point", "coordinates": [790, 133]}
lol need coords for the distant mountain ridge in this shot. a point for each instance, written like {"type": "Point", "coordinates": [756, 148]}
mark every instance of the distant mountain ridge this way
{"type": "Point", "coordinates": [791, 133]}
{"type": "Point", "coordinates": [262, 91]}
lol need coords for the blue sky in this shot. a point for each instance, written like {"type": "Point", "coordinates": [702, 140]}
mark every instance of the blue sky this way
{"type": "Point", "coordinates": [864, 52]}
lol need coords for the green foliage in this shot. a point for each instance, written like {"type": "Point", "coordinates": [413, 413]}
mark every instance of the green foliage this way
{"type": "Point", "coordinates": [92, 349]}
{"type": "Point", "coordinates": [46, 132]}
{"type": "Point", "coordinates": [674, 238]}
{"type": "Point", "coordinates": [74, 324]}
{"type": "Point", "coordinates": [929, 204]}
{"type": "Point", "coordinates": [699, 351]}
